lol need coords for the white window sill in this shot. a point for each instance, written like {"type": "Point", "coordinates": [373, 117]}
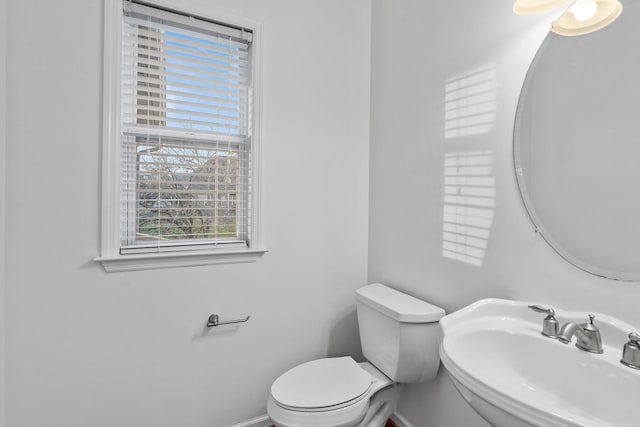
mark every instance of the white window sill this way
{"type": "Point", "coordinates": [135, 262]}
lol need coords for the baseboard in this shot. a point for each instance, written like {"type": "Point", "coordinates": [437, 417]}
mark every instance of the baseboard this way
{"type": "Point", "coordinates": [261, 421]}
{"type": "Point", "coordinates": [400, 420]}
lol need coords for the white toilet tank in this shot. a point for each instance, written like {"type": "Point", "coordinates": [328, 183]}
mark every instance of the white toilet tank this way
{"type": "Point", "coordinates": [399, 333]}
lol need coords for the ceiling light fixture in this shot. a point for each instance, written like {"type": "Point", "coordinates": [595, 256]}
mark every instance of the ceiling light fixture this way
{"type": "Point", "coordinates": [582, 17]}
{"type": "Point", "coordinates": [529, 7]}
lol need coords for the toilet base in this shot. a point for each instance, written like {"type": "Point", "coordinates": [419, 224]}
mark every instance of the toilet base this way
{"type": "Point", "coordinates": [381, 406]}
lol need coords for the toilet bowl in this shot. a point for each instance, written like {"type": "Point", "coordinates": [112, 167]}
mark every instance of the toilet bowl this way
{"type": "Point", "coordinates": [400, 340]}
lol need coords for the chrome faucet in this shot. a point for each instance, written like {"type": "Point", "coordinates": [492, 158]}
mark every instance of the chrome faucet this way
{"type": "Point", "coordinates": [631, 351]}
{"type": "Point", "coordinates": [587, 335]}
{"type": "Point", "coordinates": [550, 323]}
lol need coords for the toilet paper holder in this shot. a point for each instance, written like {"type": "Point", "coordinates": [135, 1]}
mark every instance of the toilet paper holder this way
{"type": "Point", "coordinates": [214, 320]}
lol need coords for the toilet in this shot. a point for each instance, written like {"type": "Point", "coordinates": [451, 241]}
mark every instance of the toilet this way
{"type": "Point", "coordinates": [399, 336]}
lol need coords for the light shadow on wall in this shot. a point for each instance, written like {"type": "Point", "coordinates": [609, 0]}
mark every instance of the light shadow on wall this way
{"type": "Point", "coordinates": [470, 109]}
{"type": "Point", "coordinates": [469, 204]}
{"type": "Point", "coordinates": [470, 103]}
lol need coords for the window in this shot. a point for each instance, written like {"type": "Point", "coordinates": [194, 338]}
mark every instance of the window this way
{"type": "Point", "coordinates": [180, 155]}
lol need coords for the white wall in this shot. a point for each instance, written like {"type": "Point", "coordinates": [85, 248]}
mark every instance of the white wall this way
{"type": "Point", "coordinates": [130, 349]}
{"type": "Point", "coordinates": [3, 144]}
{"type": "Point", "coordinates": [423, 52]}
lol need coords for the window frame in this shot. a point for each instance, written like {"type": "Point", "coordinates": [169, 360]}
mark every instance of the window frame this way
{"type": "Point", "coordinates": [110, 256]}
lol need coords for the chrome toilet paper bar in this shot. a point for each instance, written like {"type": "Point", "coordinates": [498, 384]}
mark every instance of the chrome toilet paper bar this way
{"type": "Point", "coordinates": [214, 320]}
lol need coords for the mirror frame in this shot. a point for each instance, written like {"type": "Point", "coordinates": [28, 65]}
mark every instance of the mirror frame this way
{"type": "Point", "coordinates": [539, 227]}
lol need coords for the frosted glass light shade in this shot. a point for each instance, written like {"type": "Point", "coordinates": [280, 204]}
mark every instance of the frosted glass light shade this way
{"type": "Point", "coordinates": [528, 7]}
{"type": "Point", "coordinates": [573, 22]}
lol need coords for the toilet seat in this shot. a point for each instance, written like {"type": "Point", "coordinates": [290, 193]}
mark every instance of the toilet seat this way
{"type": "Point", "coordinates": [322, 385]}
{"type": "Point", "coordinates": [348, 413]}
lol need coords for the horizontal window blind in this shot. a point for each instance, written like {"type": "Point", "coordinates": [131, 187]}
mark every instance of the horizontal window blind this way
{"type": "Point", "coordinates": [186, 132]}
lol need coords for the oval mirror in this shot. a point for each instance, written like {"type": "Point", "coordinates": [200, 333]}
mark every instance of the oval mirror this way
{"type": "Point", "coordinates": [577, 146]}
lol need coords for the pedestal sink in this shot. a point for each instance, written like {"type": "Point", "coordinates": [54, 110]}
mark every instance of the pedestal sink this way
{"type": "Point", "coordinates": [514, 376]}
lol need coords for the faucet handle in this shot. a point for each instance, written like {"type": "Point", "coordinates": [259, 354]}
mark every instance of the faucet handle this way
{"type": "Point", "coordinates": [538, 309]}
{"type": "Point", "coordinates": [631, 351]}
{"type": "Point", "coordinates": [590, 326]}
{"type": "Point", "coordinates": [550, 323]}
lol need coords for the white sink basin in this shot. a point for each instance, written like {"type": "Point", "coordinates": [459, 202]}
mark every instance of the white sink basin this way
{"type": "Point", "coordinates": [514, 376]}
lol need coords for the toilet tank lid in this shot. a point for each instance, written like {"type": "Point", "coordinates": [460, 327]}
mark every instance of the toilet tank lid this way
{"type": "Point", "coordinates": [398, 305]}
